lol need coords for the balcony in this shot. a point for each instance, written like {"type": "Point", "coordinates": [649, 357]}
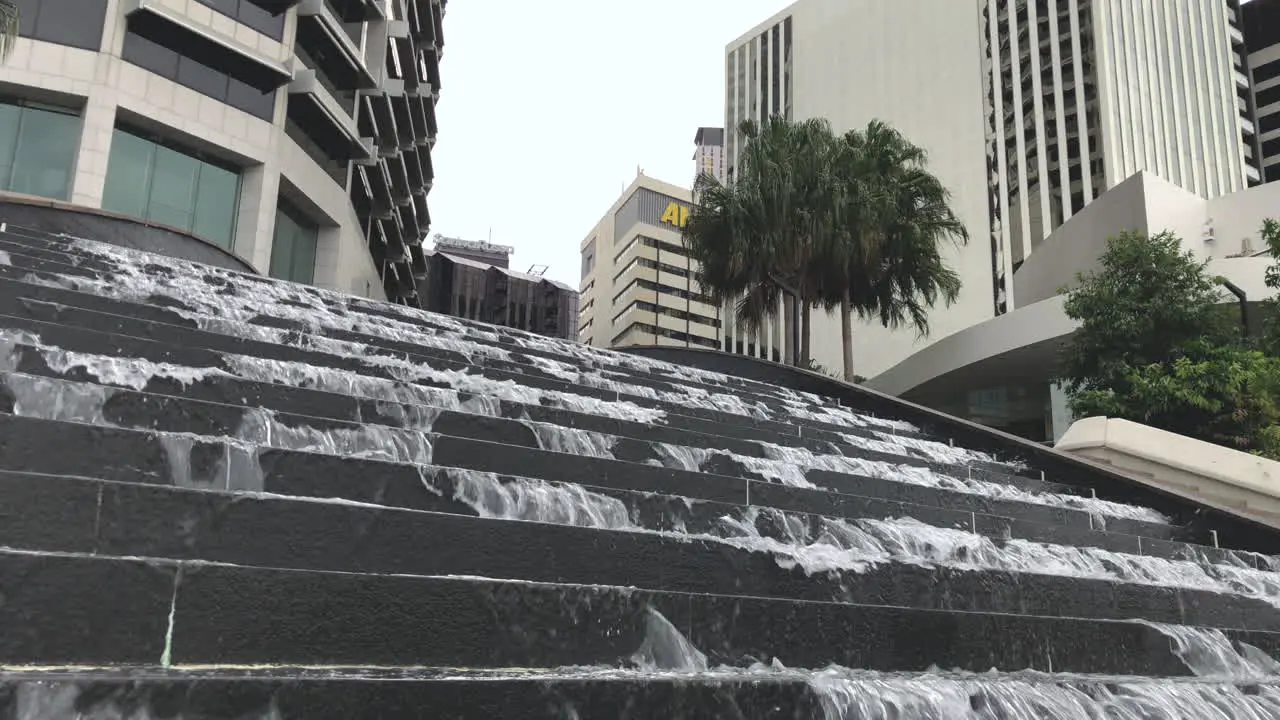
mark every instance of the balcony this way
{"type": "Point", "coordinates": [351, 11]}
{"type": "Point", "coordinates": [154, 20]}
{"type": "Point", "coordinates": [325, 39]}
{"type": "Point", "coordinates": [275, 7]}
{"type": "Point", "coordinates": [322, 118]}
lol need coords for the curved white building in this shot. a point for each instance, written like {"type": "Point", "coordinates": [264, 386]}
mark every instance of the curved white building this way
{"type": "Point", "coordinates": [295, 134]}
{"type": "Point", "coordinates": [1000, 372]}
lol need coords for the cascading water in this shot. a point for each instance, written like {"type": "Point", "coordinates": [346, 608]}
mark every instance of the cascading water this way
{"type": "Point", "coordinates": [1230, 685]}
{"type": "Point", "coordinates": [819, 545]}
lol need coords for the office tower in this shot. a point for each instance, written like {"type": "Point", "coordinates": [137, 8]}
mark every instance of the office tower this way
{"type": "Point", "coordinates": [708, 153]}
{"type": "Point", "coordinates": [638, 285]}
{"type": "Point", "coordinates": [1081, 95]}
{"type": "Point", "coordinates": [916, 64]}
{"type": "Point", "coordinates": [472, 279]}
{"type": "Point", "coordinates": [1261, 27]}
{"type": "Point", "coordinates": [294, 135]}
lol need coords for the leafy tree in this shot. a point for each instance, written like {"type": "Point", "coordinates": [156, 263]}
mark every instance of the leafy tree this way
{"type": "Point", "coordinates": [1154, 347]}
{"type": "Point", "coordinates": [893, 215]}
{"type": "Point", "coordinates": [9, 17]}
{"type": "Point", "coordinates": [851, 222]}
{"type": "Point", "coordinates": [760, 234]}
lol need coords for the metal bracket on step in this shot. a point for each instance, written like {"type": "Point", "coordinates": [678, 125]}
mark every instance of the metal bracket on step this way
{"type": "Point", "coordinates": [1214, 535]}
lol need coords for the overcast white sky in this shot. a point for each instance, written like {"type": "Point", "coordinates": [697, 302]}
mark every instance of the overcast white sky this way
{"type": "Point", "coordinates": [547, 108]}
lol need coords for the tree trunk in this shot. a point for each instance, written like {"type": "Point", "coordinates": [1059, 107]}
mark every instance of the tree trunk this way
{"type": "Point", "coordinates": [788, 330]}
{"type": "Point", "coordinates": [804, 336]}
{"type": "Point", "coordinates": [846, 335]}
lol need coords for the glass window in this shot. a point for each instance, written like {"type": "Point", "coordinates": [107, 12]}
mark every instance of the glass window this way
{"type": "Point", "coordinates": [217, 190]}
{"type": "Point", "coordinates": [150, 180]}
{"type": "Point", "coordinates": [77, 23]}
{"type": "Point", "coordinates": [38, 147]}
{"type": "Point", "coordinates": [46, 153]}
{"type": "Point", "coordinates": [205, 80]}
{"type": "Point", "coordinates": [293, 247]}
{"type": "Point", "coordinates": [128, 174]}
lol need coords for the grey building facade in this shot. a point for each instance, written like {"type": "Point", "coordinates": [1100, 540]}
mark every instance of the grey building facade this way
{"type": "Point", "coordinates": [463, 287]}
{"type": "Point", "coordinates": [294, 134]}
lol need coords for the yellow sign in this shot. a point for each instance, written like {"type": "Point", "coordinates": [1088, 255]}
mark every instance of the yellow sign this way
{"type": "Point", "coordinates": [675, 214]}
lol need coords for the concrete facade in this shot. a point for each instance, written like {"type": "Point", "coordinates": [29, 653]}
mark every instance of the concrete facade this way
{"type": "Point", "coordinates": [981, 372]}
{"type": "Point", "coordinates": [1260, 23]}
{"type": "Point", "coordinates": [312, 142]}
{"type": "Point", "coordinates": [638, 286]}
{"type": "Point", "coordinates": [1087, 94]}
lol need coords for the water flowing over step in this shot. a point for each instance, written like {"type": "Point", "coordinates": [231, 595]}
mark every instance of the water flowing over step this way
{"type": "Point", "coordinates": [305, 504]}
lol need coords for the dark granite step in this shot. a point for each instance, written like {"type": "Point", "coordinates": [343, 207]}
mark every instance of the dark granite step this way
{"type": "Point", "coordinates": [382, 694]}
{"type": "Point", "coordinates": [102, 259]}
{"type": "Point", "coordinates": [520, 368]}
{"type": "Point", "coordinates": [508, 447]}
{"type": "Point", "coordinates": [193, 613]}
{"type": "Point", "coordinates": [360, 398]}
{"type": "Point", "coordinates": [98, 325]}
{"type": "Point", "coordinates": [131, 520]}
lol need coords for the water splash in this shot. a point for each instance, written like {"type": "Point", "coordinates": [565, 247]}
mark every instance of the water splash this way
{"type": "Point", "coordinates": [850, 695]}
{"type": "Point", "coordinates": [1209, 653]}
{"type": "Point", "coordinates": [48, 399]}
{"type": "Point", "coordinates": [573, 441]}
{"type": "Point", "coordinates": [825, 545]}
{"type": "Point", "coordinates": [533, 500]}
{"type": "Point", "coordinates": [666, 648]}
{"type": "Point", "coordinates": [262, 428]}
{"type": "Point", "coordinates": [55, 700]}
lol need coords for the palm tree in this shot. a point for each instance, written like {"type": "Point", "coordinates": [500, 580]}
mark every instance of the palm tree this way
{"type": "Point", "coordinates": [9, 17]}
{"type": "Point", "coordinates": [756, 237]}
{"type": "Point", "coordinates": [884, 262]}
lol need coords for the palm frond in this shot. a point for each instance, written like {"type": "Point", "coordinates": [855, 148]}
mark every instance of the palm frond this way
{"type": "Point", "coordinates": [10, 18]}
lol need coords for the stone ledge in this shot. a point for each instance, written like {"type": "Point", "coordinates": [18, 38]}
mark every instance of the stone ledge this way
{"type": "Point", "coordinates": [1245, 483]}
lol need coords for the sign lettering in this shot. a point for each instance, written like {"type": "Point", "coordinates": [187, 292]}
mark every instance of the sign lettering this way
{"type": "Point", "coordinates": [675, 214]}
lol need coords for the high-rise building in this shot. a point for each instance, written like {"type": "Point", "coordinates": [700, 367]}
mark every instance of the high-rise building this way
{"type": "Point", "coordinates": [477, 250]}
{"type": "Point", "coordinates": [708, 153]}
{"type": "Point", "coordinates": [916, 64]}
{"type": "Point", "coordinates": [1082, 95]}
{"type": "Point", "coordinates": [1261, 26]}
{"type": "Point", "coordinates": [471, 279]}
{"type": "Point", "coordinates": [1069, 98]}
{"type": "Point", "coordinates": [293, 134]}
{"type": "Point", "coordinates": [638, 285]}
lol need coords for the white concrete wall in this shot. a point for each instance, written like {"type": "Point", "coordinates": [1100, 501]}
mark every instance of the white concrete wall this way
{"type": "Point", "coordinates": [1144, 203]}
{"type": "Point", "coordinates": [915, 64]}
{"type": "Point", "coordinates": [1231, 480]}
{"type": "Point", "coordinates": [107, 86]}
{"type": "Point", "coordinates": [1167, 93]}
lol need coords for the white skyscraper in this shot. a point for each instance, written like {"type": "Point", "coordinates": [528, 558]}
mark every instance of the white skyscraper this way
{"type": "Point", "coordinates": [708, 152]}
{"type": "Point", "coordinates": [1113, 87]}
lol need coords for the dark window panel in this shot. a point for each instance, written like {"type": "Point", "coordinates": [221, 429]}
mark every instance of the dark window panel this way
{"type": "Point", "coordinates": [199, 77]}
{"type": "Point", "coordinates": [250, 15]}
{"type": "Point", "coordinates": [77, 23]}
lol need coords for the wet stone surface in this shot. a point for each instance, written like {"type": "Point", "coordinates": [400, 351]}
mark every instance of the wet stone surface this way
{"type": "Point", "coordinates": [231, 497]}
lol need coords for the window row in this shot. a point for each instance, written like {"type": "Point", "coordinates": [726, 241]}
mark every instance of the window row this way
{"type": "Point", "coordinates": [647, 329]}
{"type": "Point", "coordinates": [681, 293]}
{"type": "Point", "coordinates": [644, 306]}
{"type": "Point", "coordinates": [147, 178]}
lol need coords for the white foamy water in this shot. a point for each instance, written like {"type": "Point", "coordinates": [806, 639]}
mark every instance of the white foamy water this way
{"type": "Point", "coordinates": [848, 694]}
{"type": "Point", "coordinates": [820, 545]}
{"type": "Point", "coordinates": [321, 309]}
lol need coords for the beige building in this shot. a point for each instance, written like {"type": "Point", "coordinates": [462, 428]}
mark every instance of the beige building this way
{"type": "Point", "coordinates": [637, 283]}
